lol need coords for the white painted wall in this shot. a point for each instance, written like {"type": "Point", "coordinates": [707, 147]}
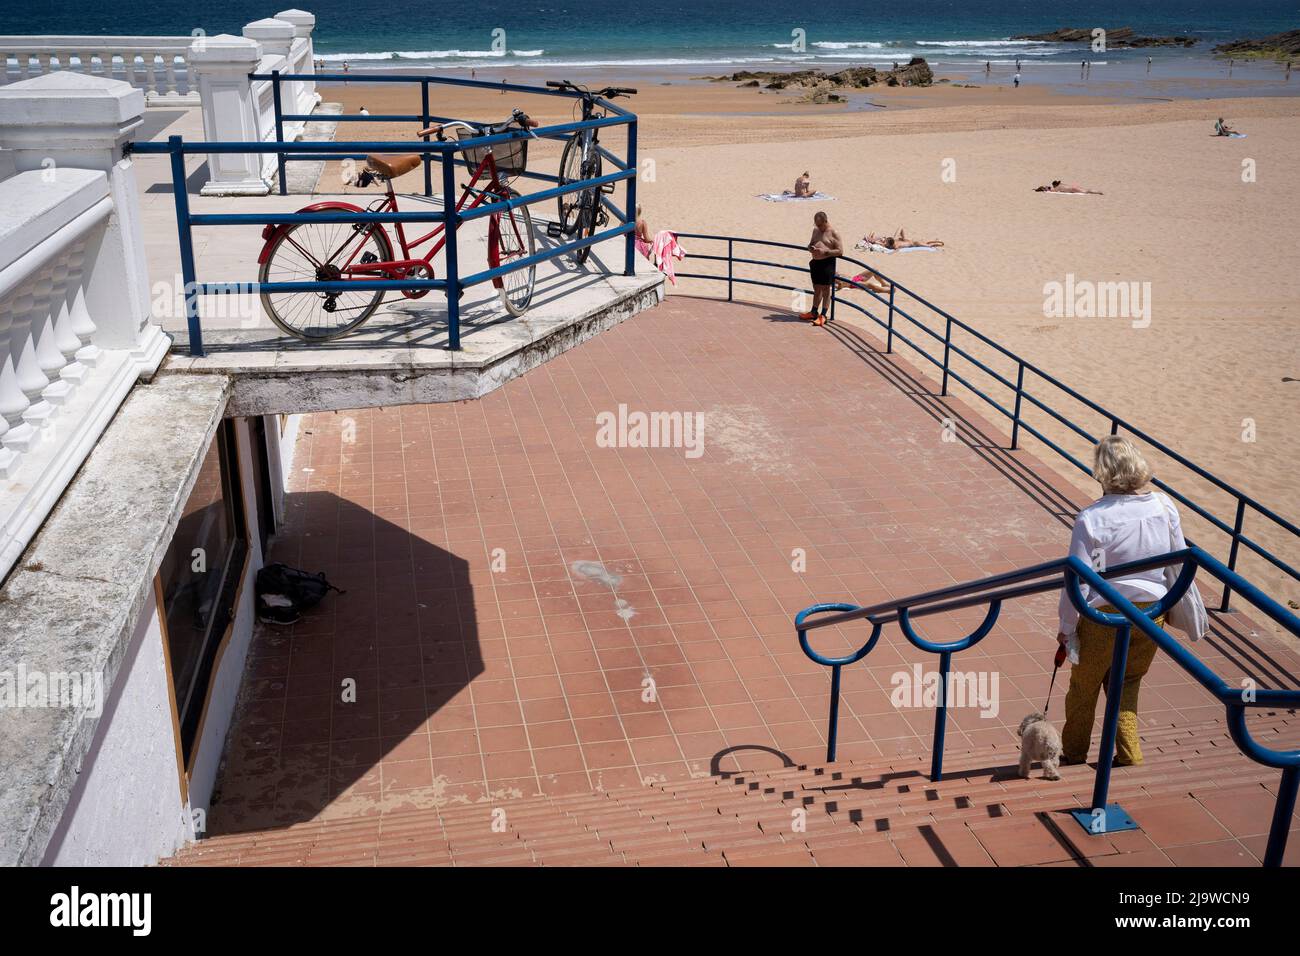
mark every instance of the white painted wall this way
{"type": "Point", "coordinates": [126, 807]}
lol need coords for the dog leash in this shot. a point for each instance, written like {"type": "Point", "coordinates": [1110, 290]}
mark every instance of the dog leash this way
{"type": "Point", "coordinates": [1059, 660]}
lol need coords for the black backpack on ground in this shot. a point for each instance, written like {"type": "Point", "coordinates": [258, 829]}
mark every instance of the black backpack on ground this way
{"type": "Point", "coordinates": [283, 593]}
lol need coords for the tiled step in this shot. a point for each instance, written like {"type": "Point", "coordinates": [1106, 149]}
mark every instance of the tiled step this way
{"type": "Point", "coordinates": [865, 812]}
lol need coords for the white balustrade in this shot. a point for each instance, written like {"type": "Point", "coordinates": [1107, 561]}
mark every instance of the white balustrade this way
{"type": "Point", "coordinates": [155, 65]}
{"type": "Point", "coordinates": [75, 328]}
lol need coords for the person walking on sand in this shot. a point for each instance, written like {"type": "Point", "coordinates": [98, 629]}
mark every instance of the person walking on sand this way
{"type": "Point", "coordinates": [988, 67]}
{"type": "Point", "coordinates": [824, 247]}
{"type": "Point", "coordinates": [1131, 521]}
{"type": "Point", "coordinates": [1017, 80]}
{"type": "Point", "coordinates": [346, 68]}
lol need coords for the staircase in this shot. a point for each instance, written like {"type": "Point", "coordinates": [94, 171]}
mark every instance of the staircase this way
{"type": "Point", "coordinates": [1198, 801]}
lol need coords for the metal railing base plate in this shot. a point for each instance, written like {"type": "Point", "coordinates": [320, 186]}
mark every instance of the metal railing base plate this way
{"type": "Point", "coordinates": [1098, 823]}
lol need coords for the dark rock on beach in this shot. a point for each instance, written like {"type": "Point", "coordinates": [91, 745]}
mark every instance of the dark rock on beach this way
{"type": "Point", "coordinates": [818, 86]}
{"type": "Point", "coordinates": [1118, 39]}
{"type": "Point", "coordinates": [1280, 46]}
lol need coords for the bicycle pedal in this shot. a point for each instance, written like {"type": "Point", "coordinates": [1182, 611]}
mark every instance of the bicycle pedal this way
{"type": "Point", "coordinates": [554, 230]}
{"type": "Point", "coordinates": [607, 187]}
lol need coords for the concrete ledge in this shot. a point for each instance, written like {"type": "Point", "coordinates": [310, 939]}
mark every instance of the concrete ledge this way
{"type": "Point", "coordinates": [73, 602]}
{"type": "Point", "coordinates": [388, 371]}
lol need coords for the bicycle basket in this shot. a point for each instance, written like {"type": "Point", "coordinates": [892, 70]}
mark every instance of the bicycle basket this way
{"type": "Point", "coordinates": [511, 157]}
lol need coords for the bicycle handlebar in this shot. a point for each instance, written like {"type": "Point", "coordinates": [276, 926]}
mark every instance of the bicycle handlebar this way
{"type": "Point", "coordinates": [525, 122]}
{"type": "Point", "coordinates": [607, 91]}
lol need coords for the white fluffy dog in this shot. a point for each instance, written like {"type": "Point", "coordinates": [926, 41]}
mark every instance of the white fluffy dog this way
{"type": "Point", "coordinates": [1039, 740]}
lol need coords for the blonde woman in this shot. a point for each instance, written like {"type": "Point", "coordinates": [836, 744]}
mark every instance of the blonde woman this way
{"type": "Point", "coordinates": [1129, 522]}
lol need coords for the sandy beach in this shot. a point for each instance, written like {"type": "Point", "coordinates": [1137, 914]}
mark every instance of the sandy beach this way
{"type": "Point", "coordinates": [1181, 215]}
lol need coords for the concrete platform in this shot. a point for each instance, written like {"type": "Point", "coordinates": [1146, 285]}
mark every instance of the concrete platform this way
{"type": "Point", "coordinates": [400, 356]}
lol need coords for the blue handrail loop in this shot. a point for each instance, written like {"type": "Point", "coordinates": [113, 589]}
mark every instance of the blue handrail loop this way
{"type": "Point", "coordinates": [835, 663]}
{"type": "Point", "coordinates": [1071, 574]}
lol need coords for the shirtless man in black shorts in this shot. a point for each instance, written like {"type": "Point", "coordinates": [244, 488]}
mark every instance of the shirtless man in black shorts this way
{"type": "Point", "coordinates": [824, 246]}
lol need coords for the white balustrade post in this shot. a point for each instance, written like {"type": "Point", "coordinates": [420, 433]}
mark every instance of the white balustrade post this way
{"type": "Point", "coordinates": [67, 120]}
{"type": "Point", "coordinates": [276, 37]}
{"type": "Point", "coordinates": [303, 25]}
{"type": "Point", "coordinates": [220, 65]}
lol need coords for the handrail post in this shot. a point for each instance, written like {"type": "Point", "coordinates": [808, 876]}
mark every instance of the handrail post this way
{"type": "Point", "coordinates": [889, 334]}
{"type": "Point", "coordinates": [947, 348]}
{"type": "Point", "coordinates": [1282, 811]}
{"type": "Point", "coordinates": [1110, 724]}
{"type": "Point", "coordinates": [629, 257]}
{"type": "Point", "coordinates": [186, 237]}
{"type": "Point", "coordinates": [1232, 551]}
{"type": "Point", "coordinates": [940, 717]}
{"type": "Point", "coordinates": [279, 130]}
{"type": "Point", "coordinates": [450, 217]}
{"type": "Point", "coordinates": [833, 720]}
{"type": "Point", "coordinates": [424, 119]}
{"type": "Point", "coordinates": [1015, 419]}
{"type": "Point", "coordinates": [731, 268]}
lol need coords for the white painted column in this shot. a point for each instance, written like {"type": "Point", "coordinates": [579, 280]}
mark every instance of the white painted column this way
{"type": "Point", "coordinates": [303, 25]}
{"type": "Point", "coordinates": [66, 120]}
{"type": "Point", "coordinates": [221, 65]}
{"type": "Point", "coordinates": [276, 37]}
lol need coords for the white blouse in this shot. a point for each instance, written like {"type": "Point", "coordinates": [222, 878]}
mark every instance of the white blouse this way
{"type": "Point", "coordinates": [1115, 530]}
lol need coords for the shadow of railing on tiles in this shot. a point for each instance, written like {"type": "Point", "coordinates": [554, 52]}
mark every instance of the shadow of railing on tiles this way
{"type": "Point", "coordinates": [1072, 574]}
{"type": "Point", "coordinates": [947, 346]}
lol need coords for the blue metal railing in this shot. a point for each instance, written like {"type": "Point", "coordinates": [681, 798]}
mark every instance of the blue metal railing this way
{"type": "Point", "coordinates": [448, 157]}
{"type": "Point", "coordinates": [1070, 573]}
{"type": "Point", "coordinates": [898, 323]}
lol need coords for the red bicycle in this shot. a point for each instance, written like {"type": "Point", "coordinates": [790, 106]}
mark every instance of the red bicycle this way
{"type": "Point", "coordinates": [337, 252]}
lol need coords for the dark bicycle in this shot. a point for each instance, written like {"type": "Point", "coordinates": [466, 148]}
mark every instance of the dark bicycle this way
{"type": "Point", "coordinates": [583, 212]}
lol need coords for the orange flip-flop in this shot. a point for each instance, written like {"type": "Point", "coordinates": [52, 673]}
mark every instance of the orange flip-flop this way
{"type": "Point", "coordinates": [821, 320]}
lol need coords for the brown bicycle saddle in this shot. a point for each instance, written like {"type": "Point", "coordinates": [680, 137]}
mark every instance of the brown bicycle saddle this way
{"type": "Point", "coordinates": [393, 166]}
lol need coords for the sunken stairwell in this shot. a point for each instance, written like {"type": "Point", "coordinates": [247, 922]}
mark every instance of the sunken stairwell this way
{"type": "Point", "coordinates": [1198, 801]}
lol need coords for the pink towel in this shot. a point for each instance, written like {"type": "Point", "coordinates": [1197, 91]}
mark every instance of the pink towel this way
{"type": "Point", "coordinates": [666, 250]}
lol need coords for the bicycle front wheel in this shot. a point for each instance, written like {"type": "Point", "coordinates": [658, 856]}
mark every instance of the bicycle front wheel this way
{"type": "Point", "coordinates": [510, 240]}
{"type": "Point", "coordinates": [312, 252]}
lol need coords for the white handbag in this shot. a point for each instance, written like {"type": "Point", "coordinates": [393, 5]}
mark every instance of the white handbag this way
{"type": "Point", "coordinates": [1188, 615]}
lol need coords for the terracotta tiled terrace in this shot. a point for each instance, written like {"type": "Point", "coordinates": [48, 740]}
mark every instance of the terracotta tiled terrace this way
{"type": "Point", "coordinates": [535, 621]}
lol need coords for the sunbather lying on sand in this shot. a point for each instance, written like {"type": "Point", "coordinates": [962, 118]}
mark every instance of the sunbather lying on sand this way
{"type": "Point", "coordinates": [1059, 187]}
{"type": "Point", "coordinates": [898, 241]}
{"type": "Point", "coordinates": [863, 280]}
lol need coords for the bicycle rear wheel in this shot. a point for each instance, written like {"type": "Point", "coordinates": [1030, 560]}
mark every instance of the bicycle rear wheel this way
{"type": "Point", "coordinates": [570, 172]}
{"type": "Point", "coordinates": [589, 211]}
{"type": "Point", "coordinates": [511, 239]}
{"type": "Point", "coordinates": [313, 251]}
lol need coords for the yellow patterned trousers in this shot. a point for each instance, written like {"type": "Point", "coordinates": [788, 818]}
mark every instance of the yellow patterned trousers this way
{"type": "Point", "coordinates": [1088, 679]}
